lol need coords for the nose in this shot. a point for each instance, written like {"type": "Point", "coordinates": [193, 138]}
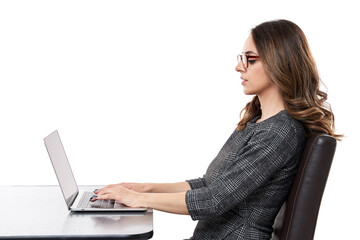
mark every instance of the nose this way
{"type": "Point", "coordinates": [240, 67]}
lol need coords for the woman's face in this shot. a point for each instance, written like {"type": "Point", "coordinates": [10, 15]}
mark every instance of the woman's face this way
{"type": "Point", "coordinates": [255, 79]}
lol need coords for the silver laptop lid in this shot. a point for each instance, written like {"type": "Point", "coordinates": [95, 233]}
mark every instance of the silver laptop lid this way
{"type": "Point", "coordinates": [62, 168]}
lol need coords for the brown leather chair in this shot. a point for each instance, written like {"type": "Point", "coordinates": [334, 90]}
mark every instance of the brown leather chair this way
{"type": "Point", "coordinates": [297, 218]}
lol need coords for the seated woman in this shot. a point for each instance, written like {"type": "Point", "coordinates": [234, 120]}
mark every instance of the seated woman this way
{"type": "Point", "coordinates": [249, 180]}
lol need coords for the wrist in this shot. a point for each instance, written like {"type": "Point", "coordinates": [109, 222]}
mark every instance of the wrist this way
{"type": "Point", "coordinates": [149, 187]}
{"type": "Point", "coordinates": [143, 200]}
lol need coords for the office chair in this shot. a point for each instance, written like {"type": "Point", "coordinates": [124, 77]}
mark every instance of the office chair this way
{"type": "Point", "coordinates": [297, 218]}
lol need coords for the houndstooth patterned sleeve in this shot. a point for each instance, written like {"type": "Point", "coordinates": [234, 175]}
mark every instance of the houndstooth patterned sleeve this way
{"type": "Point", "coordinates": [265, 154]}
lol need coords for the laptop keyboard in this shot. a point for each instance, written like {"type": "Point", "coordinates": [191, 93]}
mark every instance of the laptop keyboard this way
{"type": "Point", "coordinates": [85, 203]}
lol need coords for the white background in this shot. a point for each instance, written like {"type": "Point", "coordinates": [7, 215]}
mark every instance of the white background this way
{"type": "Point", "coordinates": [146, 91]}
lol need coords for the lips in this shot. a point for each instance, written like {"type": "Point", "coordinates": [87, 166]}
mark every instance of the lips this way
{"type": "Point", "coordinates": [244, 80]}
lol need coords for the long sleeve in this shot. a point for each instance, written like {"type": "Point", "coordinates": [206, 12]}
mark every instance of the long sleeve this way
{"type": "Point", "coordinates": [266, 153]}
{"type": "Point", "coordinates": [197, 183]}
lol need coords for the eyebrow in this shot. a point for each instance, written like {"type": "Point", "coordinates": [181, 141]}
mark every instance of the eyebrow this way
{"type": "Point", "coordinates": [251, 52]}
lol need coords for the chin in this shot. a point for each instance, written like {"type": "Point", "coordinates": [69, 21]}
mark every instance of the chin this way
{"type": "Point", "coordinates": [247, 92]}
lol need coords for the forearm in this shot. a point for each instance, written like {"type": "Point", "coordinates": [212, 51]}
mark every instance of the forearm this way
{"type": "Point", "coordinates": [168, 187]}
{"type": "Point", "coordinates": [166, 202]}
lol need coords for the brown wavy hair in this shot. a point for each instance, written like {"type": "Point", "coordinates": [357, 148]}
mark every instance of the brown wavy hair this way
{"type": "Point", "coordinates": [287, 59]}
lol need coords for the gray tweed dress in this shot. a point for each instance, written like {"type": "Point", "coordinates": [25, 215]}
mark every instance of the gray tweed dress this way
{"type": "Point", "coordinates": [248, 181]}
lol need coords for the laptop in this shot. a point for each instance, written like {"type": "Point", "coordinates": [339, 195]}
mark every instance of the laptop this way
{"type": "Point", "coordinates": [76, 200]}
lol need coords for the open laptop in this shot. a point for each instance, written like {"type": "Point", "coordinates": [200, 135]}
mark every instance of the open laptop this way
{"type": "Point", "coordinates": [76, 200]}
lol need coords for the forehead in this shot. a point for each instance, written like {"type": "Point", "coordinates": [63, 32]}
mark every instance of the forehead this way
{"type": "Point", "coordinates": [249, 46]}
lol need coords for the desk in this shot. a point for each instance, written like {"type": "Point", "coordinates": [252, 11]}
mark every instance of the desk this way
{"type": "Point", "coordinates": [40, 212]}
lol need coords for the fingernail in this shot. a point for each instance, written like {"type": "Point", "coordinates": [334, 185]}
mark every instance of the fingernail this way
{"type": "Point", "coordinates": [94, 196]}
{"type": "Point", "coordinates": [96, 190]}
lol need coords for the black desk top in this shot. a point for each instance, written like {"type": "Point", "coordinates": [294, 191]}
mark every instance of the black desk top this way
{"type": "Point", "coordinates": [33, 212]}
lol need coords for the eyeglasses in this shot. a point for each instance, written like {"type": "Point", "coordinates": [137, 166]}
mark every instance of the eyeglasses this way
{"type": "Point", "coordinates": [245, 59]}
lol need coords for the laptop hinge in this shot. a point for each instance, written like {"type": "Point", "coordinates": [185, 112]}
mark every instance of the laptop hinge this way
{"type": "Point", "coordinates": [71, 199]}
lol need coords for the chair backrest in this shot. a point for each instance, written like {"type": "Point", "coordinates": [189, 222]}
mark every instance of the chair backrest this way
{"type": "Point", "coordinates": [297, 218]}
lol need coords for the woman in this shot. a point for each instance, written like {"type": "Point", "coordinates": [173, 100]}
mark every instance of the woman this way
{"type": "Point", "coordinates": [249, 180]}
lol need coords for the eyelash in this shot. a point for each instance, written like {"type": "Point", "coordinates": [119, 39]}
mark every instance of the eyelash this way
{"type": "Point", "coordinates": [252, 61]}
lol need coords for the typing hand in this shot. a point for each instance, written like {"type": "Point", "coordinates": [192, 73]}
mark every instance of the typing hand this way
{"type": "Point", "coordinates": [120, 194]}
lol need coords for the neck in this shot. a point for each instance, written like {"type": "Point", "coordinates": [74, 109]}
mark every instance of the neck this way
{"type": "Point", "coordinates": [271, 103]}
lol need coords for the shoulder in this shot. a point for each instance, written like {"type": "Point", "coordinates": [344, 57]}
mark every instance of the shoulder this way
{"type": "Point", "coordinates": [280, 126]}
{"type": "Point", "coordinates": [283, 120]}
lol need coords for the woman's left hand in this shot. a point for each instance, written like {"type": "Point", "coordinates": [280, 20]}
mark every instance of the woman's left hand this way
{"type": "Point", "coordinates": [123, 195]}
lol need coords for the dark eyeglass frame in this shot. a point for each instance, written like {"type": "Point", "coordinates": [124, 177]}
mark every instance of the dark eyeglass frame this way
{"type": "Point", "coordinates": [245, 60]}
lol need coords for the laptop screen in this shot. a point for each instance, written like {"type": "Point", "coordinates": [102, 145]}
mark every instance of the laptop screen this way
{"type": "Point", "coordinates": [62, 167]}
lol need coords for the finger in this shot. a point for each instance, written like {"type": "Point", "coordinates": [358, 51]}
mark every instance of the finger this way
{"type": "Point", "coordinates": [93, 196]}
{"type": "Point", "coordinates": [101, 190]}
{"type": "Point", "coordinates": [106, 191]}
{"type": "Point", "coordinates": [102, 197]}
